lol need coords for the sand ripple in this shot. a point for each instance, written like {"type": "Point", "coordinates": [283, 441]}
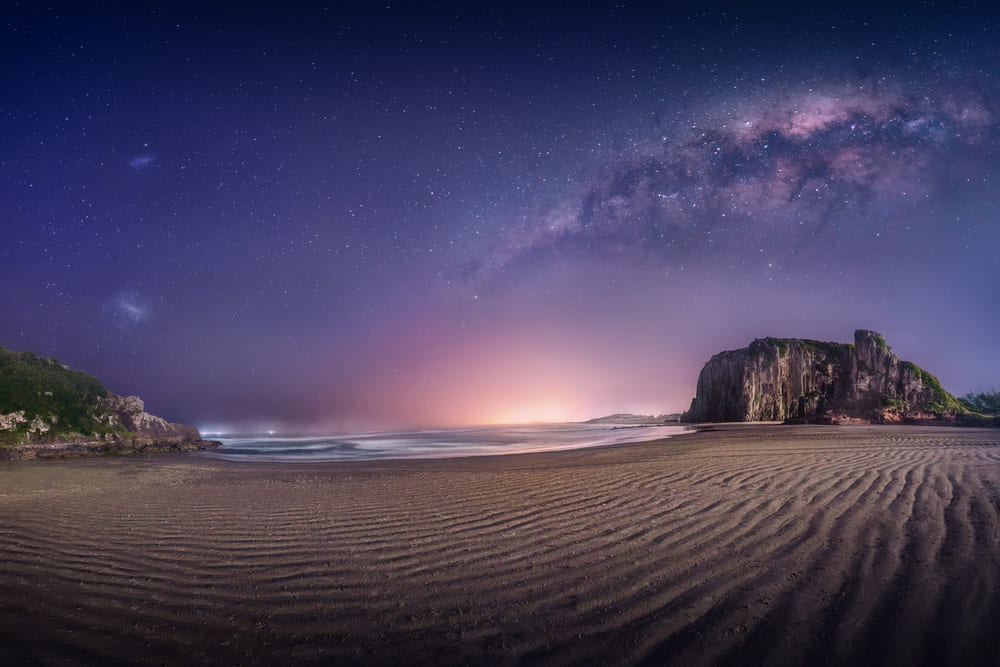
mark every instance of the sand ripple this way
{"type": "Point", "coordinates": [744, 545]}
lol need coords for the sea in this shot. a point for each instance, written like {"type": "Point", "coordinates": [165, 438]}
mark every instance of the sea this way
{"type": "Point", "coordinates": [439, 443]}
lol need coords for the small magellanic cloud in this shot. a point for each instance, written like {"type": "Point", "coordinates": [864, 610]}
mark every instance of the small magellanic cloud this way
{"type": "Point", "coordinates": [141, 162]}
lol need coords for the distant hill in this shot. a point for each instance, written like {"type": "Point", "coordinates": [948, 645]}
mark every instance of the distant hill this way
{"type": "Point", "coordinates": [791, 379]}
{"type": "Point", "coordinates": [47, 409]}
{"type": "Point", "coordinates": [624, 418]}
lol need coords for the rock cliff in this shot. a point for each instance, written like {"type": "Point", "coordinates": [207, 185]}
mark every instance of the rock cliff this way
{"type": "Point", "coordinates": [790, 379]}
{"type": "Point", "coordinates": [48, 410]}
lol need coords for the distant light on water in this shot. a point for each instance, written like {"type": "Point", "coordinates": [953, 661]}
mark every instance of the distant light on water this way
{"type": "Point", "coordinates": [444, 443]}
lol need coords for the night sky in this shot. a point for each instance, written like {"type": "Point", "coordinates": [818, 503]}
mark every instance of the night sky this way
{"type": "Point", "coordinates": [381, 215]}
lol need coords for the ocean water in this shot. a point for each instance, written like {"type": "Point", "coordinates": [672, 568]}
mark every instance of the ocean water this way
{"type": "Point", "coordinates": [471, 441]}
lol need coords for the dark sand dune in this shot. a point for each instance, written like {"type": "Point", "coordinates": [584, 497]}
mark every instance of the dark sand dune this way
{"type": "Point", "coordinates": [742, 545]}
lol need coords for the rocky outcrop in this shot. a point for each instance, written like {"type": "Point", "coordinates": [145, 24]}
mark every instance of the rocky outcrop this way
{"type": "Point", "coordinates": [130, 430]}
{"type": "Point", "coordinates": [48, 410]}
{"type": "Point", "coordinates": [12, 420]}
{"type": "Point", "coordinates": [790, 379]}
{"type": "Point", "coordinates": [107, 445]}
{"type": "Point", "coordinates": [128, 412]}
{"type": "Point", "coordinates": [628, 419]}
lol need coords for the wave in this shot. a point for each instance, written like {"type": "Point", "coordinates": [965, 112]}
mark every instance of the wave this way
{"type": "Point", "coordinates": [441, 443]}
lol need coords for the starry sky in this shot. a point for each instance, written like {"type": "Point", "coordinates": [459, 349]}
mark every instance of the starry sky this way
{"type": "Point", "coordinates": [342, 216]}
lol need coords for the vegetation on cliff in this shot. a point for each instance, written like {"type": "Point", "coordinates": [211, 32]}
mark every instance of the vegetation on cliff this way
{"type": "Point", "coordinates": [42, 398]}
{"type": "Point", "coordinates": [943, 402]}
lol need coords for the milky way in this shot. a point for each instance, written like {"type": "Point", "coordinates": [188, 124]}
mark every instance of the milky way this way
{"type": "Point", "coordinates": [357, 216]}
{"type": "Point", "coordinates": [818, 172]}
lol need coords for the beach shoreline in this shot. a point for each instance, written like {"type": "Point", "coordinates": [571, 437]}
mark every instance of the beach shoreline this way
{"type": "Point", "coordinates": [729, 544]}
{"type": "Point", "coordinates": [469, 441]}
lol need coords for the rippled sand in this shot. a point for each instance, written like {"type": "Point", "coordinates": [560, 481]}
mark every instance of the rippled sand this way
{"type": "Point", "coordinates": [742, 545]}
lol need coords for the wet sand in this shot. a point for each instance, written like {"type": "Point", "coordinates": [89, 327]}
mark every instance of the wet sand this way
{"type": "Point", "coordinates": [740, 545]}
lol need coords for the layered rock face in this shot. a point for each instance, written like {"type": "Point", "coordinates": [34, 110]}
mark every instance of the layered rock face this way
{"type": "Point", "coordinates": [129, 412]}
{"type": "Point", "coordinates": [790, 379]}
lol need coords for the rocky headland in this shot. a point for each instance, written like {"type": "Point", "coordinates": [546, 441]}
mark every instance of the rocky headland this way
{"type": "Point", "coordinates": [50, 411]}
{"type": "Point", "coordinates": [808, 381]}
{"type": "Point", "coordinates": [629, 419]}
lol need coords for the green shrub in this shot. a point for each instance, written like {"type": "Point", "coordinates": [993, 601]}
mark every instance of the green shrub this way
{"type": "Point", "coordinates": [984, 402]}
{"type": "Point", "coordinates": [67, 400]}
{"type": "Point", "coordinates": [893, 403]}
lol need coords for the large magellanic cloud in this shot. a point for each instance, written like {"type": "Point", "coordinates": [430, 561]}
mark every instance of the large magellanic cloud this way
{"type": "Point", "coordinates": [800, 169]}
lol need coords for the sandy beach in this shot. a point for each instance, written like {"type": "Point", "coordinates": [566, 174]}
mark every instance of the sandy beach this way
{"type": "Point", "coordinates": [732, 546]}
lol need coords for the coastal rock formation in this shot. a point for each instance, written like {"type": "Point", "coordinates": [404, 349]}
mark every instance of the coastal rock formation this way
{"type": "Point", "coordinates": [129, 412]}
{"type": "Point", "coordinates": [790, 379]}
{"type": "Point", "coordinates": [50, 411]}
